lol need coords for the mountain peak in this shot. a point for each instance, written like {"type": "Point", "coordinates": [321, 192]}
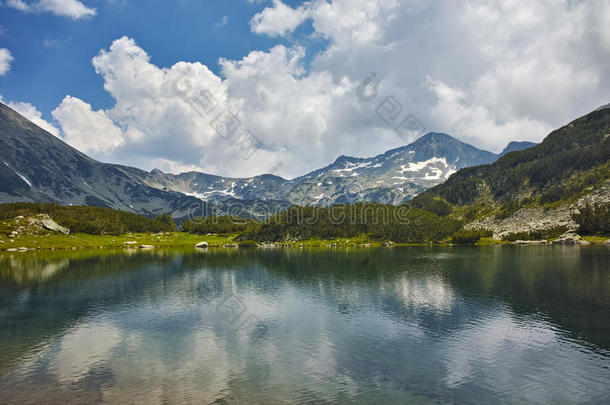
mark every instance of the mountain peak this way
{"type": "Point", "coordinates": [435, 137]}
{"type": "Point", "coordinates": [346, 159]}
{"type": "Point", "coordinates": [517, 145]}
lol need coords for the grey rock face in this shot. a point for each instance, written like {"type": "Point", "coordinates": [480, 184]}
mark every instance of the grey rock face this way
{"type": "Point", "coordinates": [54, 226]}
{"type": "Point", "coordinates": [526, 220]}
{"type": "Point", "coordinates": [393, 177]}
{"type": "Point", "coordinates": [568, 239]}
{"type": "Point", "coordinates": [530, 242]}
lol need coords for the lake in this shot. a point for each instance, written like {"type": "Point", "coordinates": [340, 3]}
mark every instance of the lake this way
{"type": "Point", "coordinates": [417, 325]}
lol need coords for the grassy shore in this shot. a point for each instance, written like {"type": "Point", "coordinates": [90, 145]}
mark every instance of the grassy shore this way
{"type": "Point", "coordinates": [183, 239]}
{"type": "Point", "coordinates": [76, 241]}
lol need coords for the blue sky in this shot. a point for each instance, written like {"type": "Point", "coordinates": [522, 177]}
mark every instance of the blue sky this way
{"type": "Point", "coordinates": [99, 74]}
{"type": "Point", "coordinates": [53, 54]}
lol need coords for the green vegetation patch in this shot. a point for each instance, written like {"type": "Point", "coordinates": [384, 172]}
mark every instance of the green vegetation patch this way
{"type": "Point", "coordinates": [470, 237]}
{"type": "Point", "coordinates": [593, 219]}
{"type": "Point", "coordinates": [380, 222]}
{"type": "Point", "coordinates": [90, 220]}
{"type": "Point", "coordinates": [217, 224]}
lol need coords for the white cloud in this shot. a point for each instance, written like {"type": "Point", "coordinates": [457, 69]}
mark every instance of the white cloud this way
{"type": "Point", "coordinates": [477, 124]}
{"type": "Point", "coordinates": [170, 130]}
{"type": "Point", "coordinates": [223, 22]}
{"type": "Point", "coordinates": [18, 4]}
{"type": "Point", "coordinates": [30, 112]}
{"type": "Point", "coordinates": [486, 72]}
{"type": "Point", "coordinates": [55, 42]}
{"type": "Point", "coordinates": [87, 130]}
{"type": "Point", "coordinates": [5, 61]}
{"type": "Point", "coordinates": [66, 8]}
{"type": "Point", "coordinates": [515, 69]}
{"type": "Point", "coordinates": [279, 19]}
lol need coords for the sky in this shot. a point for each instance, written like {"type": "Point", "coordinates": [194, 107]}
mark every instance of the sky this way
{"type": "Point", "coordinates": [245, 87]}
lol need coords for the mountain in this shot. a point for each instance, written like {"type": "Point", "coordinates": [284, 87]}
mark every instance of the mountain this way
{"type": "Point", "coordinates": [570, 163]}
{"type": "Point", "coordinates": [393, 177]}
{"type": "Point", "coordinates": [517, 146]}
{"type": "Point", "coordinates": [37, 166]}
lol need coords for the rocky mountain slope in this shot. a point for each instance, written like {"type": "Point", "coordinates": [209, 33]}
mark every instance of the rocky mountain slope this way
{"type": "Point", "coordinates": [539, 187]}
{"type": "Point", "coordinates": [393, 177]}
{"type": "Point", "coordinates": [37, 166]}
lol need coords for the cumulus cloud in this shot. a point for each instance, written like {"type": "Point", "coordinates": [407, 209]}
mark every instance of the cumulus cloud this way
{"type": "Point", "coordinates": [515, 69]}
{"type": "Point", "coordinates": [279, 19]}
{"type": "Point", "coordinates": [66, 8]}
{"type": "Point", "coordinates": [30, 112]}
{"type": "Point", "coordinates": [487, 72]}
{"type": "Point", "coordinates": [5, 61]}
{"type": "Point", "coordinates": [169, 117]}
{"type": "Point", "coordinates": [18, 4]}
{"type": "Point", "coordinates": [87, 130]}
{"type": "Point", "coordinates": [476, 123]}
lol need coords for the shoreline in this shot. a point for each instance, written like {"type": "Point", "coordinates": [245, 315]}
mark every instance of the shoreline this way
{"type": "Point", "coordinates": [144, 241]}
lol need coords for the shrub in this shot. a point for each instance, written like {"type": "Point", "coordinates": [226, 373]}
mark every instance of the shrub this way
{"type": "Point", "coordinates": [248, 244]}
{"type": "Point", "coordinates": [90, 220]}
{"type": "Point", "coordinates": [166, 219]}
{"type": "Point", "coordinates": [593, 219]}
{"type": "Point", "coordinates": [379, 221]}
{"type": "Point", "coordinates": [511, 237]}
{"type": "Point", "coordinates": [470, 237]}
{"type": "Point", "coordinates": [537, 234]}
{"type": "Point", "coordinates": [217, 224]}
{"type": "Point", "coordinates": [432, 204]}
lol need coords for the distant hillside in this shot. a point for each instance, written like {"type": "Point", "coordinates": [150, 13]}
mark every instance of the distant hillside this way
{"type": "Point", "coordinates": [569, 163]}
{"type": "Point", "coordinates": [36, 166]}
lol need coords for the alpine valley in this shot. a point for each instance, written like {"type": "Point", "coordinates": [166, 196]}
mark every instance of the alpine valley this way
{"type": "Point", "coordinates": [37, 166]}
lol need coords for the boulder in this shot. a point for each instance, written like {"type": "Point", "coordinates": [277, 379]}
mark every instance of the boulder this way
{"type": "Point", "coordinates": [54, 226]}
{"type": "Point", "coordinates": [584, 243]}
{"type": "Point", "coordinates": [147, 247]}
{"type": "Point", "coordinates": [131, 242]}
{"type": "Point", "coordinates": [567, 239]}
{"type": "Point", "coordinates": [607, 242]}
{"type": "Point", "coordinates": [202, 245]}
{"type": "Point", "coordinates": [531, 242]}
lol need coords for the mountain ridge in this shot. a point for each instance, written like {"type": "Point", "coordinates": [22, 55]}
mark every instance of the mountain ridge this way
{"type": "Point", "coordinates": [37, 166]}
{"type": "Point", "coordinates": [348, 179]}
